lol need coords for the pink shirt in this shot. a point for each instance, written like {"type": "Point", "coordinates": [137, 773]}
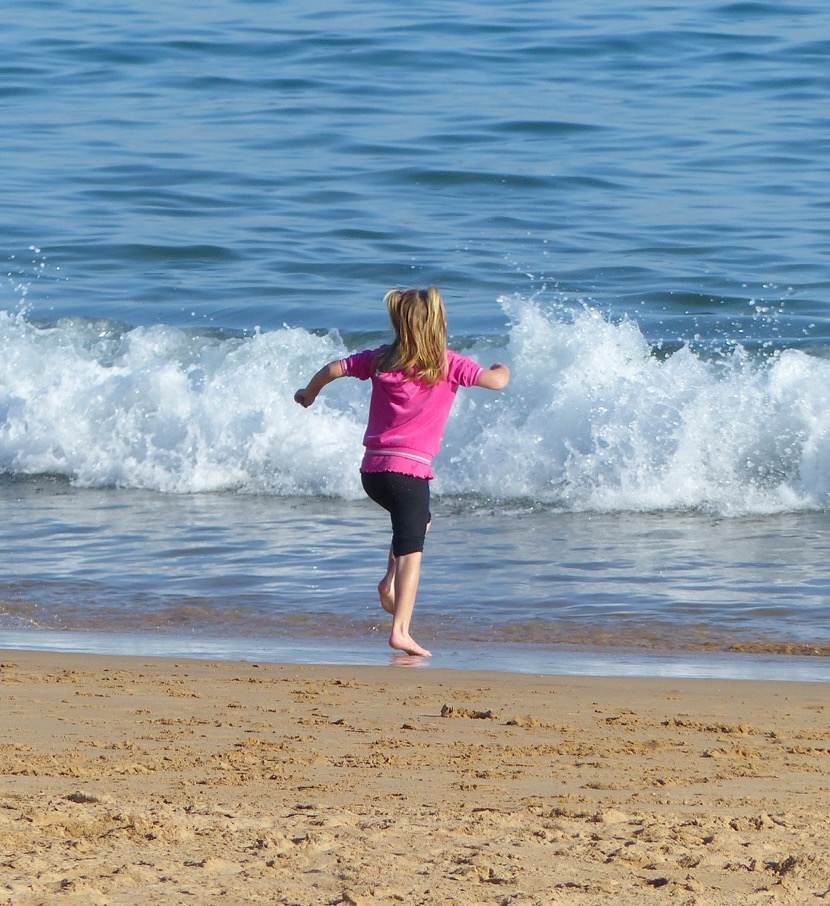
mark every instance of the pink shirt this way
{"type": "Point", "coordinates": [407, 418]}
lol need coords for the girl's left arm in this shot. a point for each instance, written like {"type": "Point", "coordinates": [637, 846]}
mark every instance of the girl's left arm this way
{"type": "Point", "coordinates": [328, 373]}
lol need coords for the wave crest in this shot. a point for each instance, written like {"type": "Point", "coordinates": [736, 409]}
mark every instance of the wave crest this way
{"type": "Point", "coordinates": [593, 418]}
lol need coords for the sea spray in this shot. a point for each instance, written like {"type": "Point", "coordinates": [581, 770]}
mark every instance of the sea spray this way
{"type": "Point", "coordinates": [598, 421]}
{"type": "Point", "coordinates": [594, 418]}
{"type": "Point", "coordinates": [163, 409]}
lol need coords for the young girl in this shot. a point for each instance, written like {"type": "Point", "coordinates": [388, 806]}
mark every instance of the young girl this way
{"type": "Point", "coordinates": [414, 382]}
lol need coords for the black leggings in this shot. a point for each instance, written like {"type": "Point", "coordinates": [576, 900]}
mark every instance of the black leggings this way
{"type": "Point", "coordinates": [407, 500]}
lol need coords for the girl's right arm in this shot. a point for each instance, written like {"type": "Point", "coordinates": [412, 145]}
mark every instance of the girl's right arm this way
{"type": "Point", "coordinates": [496, 377]}
{"type": "Point", "coordinates": [328, 373]}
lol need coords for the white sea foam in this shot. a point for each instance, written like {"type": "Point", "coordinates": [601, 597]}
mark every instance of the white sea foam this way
{"type": "Point", "coordinates": [592, 420]}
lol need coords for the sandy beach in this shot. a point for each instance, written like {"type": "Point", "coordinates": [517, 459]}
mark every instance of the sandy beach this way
{"type": "Point", "coordinates": [136, 781]}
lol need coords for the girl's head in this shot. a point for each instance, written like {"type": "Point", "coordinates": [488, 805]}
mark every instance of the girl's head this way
{"type": "Point", "coordinates": [420, 322]}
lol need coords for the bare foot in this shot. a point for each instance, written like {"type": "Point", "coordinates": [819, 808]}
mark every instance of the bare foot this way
{"type": "Point", "coordinates": [407, 644]}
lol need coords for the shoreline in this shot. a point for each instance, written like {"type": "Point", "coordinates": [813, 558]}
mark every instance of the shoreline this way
{"type": "Point", "coordinates": [138, 781]}
{"type": "Point", "coordinates": [562, 660]}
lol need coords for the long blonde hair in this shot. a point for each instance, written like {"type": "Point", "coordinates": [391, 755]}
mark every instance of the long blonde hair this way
{"type": "Point", "coordinates": [420, 322]}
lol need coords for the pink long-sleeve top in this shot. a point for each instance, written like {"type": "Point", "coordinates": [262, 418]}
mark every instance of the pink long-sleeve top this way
{"type": "Point", "coordinates": [407, 418]}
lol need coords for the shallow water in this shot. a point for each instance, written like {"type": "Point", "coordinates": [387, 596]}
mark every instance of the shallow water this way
{"type": "Point", "coordinates": [226, 572]}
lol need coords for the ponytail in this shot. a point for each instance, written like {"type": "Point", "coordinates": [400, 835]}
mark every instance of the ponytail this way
{"type": "Point", "coordinates": [420, 322]}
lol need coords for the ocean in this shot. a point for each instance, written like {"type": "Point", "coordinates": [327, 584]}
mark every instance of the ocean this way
{"type": "Point", "coordinates": [629, 205]}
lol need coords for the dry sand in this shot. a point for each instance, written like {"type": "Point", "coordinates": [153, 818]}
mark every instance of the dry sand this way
{"type": "Point", "coordinates": [136, 781]}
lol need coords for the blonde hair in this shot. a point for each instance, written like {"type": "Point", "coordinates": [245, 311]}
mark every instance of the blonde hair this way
{"type": "Point", "coordinates": [420, 322]}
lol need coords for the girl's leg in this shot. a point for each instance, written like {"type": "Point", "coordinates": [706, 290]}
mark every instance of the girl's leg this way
{"type": "Point", "coordinates": [386, 586]}
{"type": "Point", "coordinates": [407, 500]}
{"type": "Point", "coordinates": [407, 574]}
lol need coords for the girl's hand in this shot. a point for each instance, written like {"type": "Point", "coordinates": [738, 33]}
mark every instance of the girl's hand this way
{"type": "Point", "coordinates": [304, 398]}
{"type": "Point", "coordinates": [496, 377]}
{"type": "Point", "coordinates": [328, 373]}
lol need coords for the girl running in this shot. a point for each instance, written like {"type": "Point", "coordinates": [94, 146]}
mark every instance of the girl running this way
{"type": "Point", "coordinates": [414, 382]}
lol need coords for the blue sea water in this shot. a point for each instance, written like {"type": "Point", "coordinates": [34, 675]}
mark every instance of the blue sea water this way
{"type": "Point", "coordinates": [628, 204]}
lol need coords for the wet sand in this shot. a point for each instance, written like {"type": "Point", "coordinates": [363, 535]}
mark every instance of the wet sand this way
{"type": "Point", "coordinates": [160, 781]}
